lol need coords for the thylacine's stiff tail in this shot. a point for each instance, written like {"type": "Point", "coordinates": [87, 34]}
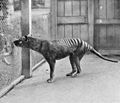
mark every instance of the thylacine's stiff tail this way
{"type": "Point", "coordinates": [101, 56]}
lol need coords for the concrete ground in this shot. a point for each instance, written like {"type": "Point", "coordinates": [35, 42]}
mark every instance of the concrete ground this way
{"type": "Point", "coordinates": [99, 82]}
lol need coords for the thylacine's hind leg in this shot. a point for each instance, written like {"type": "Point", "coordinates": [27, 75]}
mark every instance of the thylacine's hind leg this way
{"type": "Point", "coordinates": [77, 63]}
{"type": "Point", "coordinates": [79, 56]}
{"type": "Point", "coordinates": [74, 69]}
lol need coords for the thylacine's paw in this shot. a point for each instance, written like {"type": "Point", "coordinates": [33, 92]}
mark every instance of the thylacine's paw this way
{"type": "Point", "coordinates": [78, 71]}
{"type": "Point", "coordinates": [72, 74]}
{"type": "Point", "coordinates": [69, 74]}
{"type": "Point", "coordinates": [50, 80]}
{"type": "Point", "coordinates": [76, 74]}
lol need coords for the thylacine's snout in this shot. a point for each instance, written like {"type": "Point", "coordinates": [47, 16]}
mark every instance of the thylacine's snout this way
{"type": "Point", "coordinates": [17, 42]}
{"type": "Point", "coordinates": [22, 41]}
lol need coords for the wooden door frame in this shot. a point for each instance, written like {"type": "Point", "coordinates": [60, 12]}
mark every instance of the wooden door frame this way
{"type": "Point", "coordinates": [91, 21]}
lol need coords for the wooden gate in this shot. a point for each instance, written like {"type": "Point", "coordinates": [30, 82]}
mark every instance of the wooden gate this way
{"type": "Point", "coordinates": [95, 21]}
{"type": "Point", "coordinates": [69, 18]}
{"type": "Point", "coordinates": [107, 26]}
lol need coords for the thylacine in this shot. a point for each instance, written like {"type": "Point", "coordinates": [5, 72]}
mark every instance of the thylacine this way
{"type": "Point", "coordinates": [58, 49]}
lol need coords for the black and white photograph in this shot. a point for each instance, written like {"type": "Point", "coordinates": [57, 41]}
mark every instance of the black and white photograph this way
{"type": "Point", "coordinates": [59, 51]}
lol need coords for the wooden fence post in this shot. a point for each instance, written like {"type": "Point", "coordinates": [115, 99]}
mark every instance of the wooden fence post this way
{"type": "Point", "coordinates": [26, 29]}
{"type": "Point", "coordinates": [53, 19]}
{"type": "Point", "coordinates": [91, 21]}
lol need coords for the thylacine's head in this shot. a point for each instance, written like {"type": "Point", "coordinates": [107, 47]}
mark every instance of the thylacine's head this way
{"type": "Point", "coordinates": [22, 42]}
{"type": "Point", "coordinates": [35, 44]}
{"type": "Point", "coordinates": [27, 42]}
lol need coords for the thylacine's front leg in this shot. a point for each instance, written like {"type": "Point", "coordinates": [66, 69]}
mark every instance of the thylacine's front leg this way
{"type": "Point", "coordinates": [52, 67]}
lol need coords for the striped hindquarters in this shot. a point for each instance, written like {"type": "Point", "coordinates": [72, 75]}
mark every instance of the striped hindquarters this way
{"type": "Point", "coordinates": [74, 42]}
{"type": "Point", "coordinates": [86, 46]}
{"type": "Point", "coordinates": [68, 42]}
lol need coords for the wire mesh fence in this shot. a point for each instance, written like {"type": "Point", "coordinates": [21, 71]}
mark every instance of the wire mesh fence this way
{"type": "Point", "coordinates": [9, 57]}
{"type": "Point", "coordinates": [10, 29]}
{"type": "Point", "coordinates": [3, 16]}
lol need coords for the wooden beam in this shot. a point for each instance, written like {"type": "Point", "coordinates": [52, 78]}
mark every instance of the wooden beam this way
{"type": "Point", "coordinates": [107, 21]}
{"type": "Point", "coordinates": [53, 21]}
{"type": "Point", "coordinates": [109, 52]}
{"type": "Point", "coordinates": [91, 21]}
{"type": "Point", "coordinates": [26, 29]}
{"type": "Point", "coordinates": [72, 20]}
{"type": "Point", "coordinates": [5, 90]}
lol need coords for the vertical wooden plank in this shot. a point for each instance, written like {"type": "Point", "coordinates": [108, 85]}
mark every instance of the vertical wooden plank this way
{"type": "Point", "coordinates": [76, 6]}
{"type": "Point", "coordinates": [96, 37]}
{"type": "Point", "coordinates": [61, 12]}
{"type": "Point", "coordinates": [61, 8]}
{"type": "Point", "coordinates": [84, 32]}
{"type": "Point", "coordinates": [76, 31]}
{"type": "Point", "coordinates": [53, 21]}
{"type": "Point", "coordinates": [117, 35]}
{"type": "Point", "coordinates": [68, 31]}
{"type": "Point", "coordinates": [110, 9]}
{"type": "Point", "coordinates": [26, 29]}
{"type": "Point", "coordinates": [60, 32]}
{"type": "Point", "coordinates": [110, 36]}
{"type": "Point", "coordinates": [110, 28]}
{"type": "Point", "coordinates": [84, 9]}
{"type": "Point", "coordinates": [117, 9]}
{"type": "Point", "coordinates": [68, 12]}
{"type": "Point", "coordinates": [68, 8]}
{"type": "Point", "coordinates": [102, 15]}
{"type": "Point", "coordinates": [84, 27]}
{"type": "Point", "coordinates": [102, 37]}
{"type": "Point", "coordinates": [117, 27]}
{"type": "Point", "coordinates": [76, 12]}
{"type": "Point", "coordinates": [91, 21]}
{"type": "Point", "coordinates": [96, 27]}
{"type": "Point", "coordinates": [102, 9]}
{"type": "Point", "coordinates": [96, 9]}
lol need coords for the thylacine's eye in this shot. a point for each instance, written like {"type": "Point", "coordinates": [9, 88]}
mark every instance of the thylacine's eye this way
{"type": "Point", "coordinates": [24, 38]}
